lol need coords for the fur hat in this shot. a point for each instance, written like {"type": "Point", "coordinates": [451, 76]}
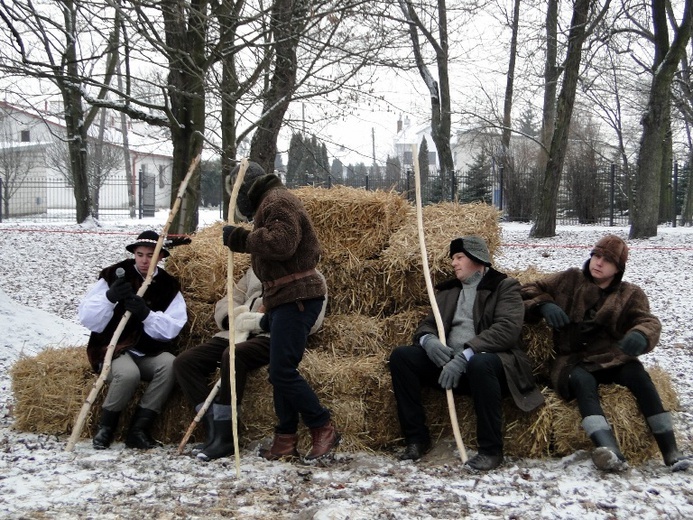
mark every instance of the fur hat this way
{"type": "Point", "coordinates": [147, 238]}
{"type": "Point", "coordinates": [474, 247]}
{"type": "Point", "coordinates": [254, 171]}
{"type": "Point", "coordinates": [614, 249]}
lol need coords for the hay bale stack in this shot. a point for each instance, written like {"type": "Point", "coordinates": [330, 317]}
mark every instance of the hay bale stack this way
{"type": "Point", "coordinates": [51, 387]}
{"type": "Point", "coordinates": [353, 224]}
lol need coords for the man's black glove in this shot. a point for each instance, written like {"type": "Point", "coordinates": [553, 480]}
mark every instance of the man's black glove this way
{"type": "Point", "coordinates": [450, 376]}
{"type": "Point", "coordinates": [634, 343]}
{"type": "Point", "coordinates": [235, 238]}
{"type": "Point", "coordinates": [137, 306]}
{"type": "Point", "coordinates": [554, 315]}
{"type": "Point", "coordinates": [436, 351]}
{"type": "Point", "coordinates": [119, 290]}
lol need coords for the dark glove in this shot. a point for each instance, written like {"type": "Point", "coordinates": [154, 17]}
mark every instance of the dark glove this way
{"type": "Point", "coordinates": [137, 306]}
{"type": "Point", "coordinates": [634, 343]}
{"type": "Point", "coordinates": [119, 290]}
{"type": "Point", "coordinates": [235, 238]}
{"type": "Point", "coordinates": [554, 315]}
{"type": "Point", "coordinates": [436, 351]}
{"type": "Point", "coordinates": [450, 376]}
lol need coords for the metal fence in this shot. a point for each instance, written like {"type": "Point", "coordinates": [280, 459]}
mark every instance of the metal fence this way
{"type": "Point", "coordinates": [587, 197]}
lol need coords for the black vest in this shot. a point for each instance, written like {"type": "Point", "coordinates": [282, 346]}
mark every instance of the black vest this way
{"type": "Point", "coordinates": [158, 296]}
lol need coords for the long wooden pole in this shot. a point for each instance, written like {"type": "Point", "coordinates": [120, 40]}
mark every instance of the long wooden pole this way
{"type": "Point", "coordinates": [434, 304]}
{"type": "Point", "coordinates": [105, 371]}
{"type": "Point", "coordinates": [200, 414]}
{"type": "Point", "coordinates": [229, 296]}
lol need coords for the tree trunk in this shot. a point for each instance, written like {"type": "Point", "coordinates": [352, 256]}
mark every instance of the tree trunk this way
{"type": "Point", "coordinates": [545, 224]}
{"type": "Point", "coordinates": [551, 75]}
{"type": "Point", "coordinates": [287, 25]}
{"type": "Point", "coordinates": [186, 32]}
{"type": "Point", "coordinates": [645, 204]}
{"type": "Point", "coordinates": [509, 90]}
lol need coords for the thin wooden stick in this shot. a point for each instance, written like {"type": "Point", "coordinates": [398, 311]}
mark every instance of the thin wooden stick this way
{"type": "Point", "coordinates": [105, 371]}
{"type": "Point", "coordinates": [232, 331]}
{"type": "Point", "coordinates": [434, 304]}
{"type": "Point", "coordinates": [200, 415]}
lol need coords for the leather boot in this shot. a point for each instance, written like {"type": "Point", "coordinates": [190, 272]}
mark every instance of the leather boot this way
{"type": "Point", "coordinates": [284, 446]}
{"type": "Point", "coordinates": [138, 434]}
{"type": "Point", "coordinates": [222, 444]}
{"type": "Point", "coordinates": [607, 455]}
{"type": "Point", "coordinates": [663, 430]}
{"type": "Point", "coordinates": [325, 439]}
{"type": "Point", "coordinates": [208, 421]}
{"type": "Point", "coordinates": [107, 427]}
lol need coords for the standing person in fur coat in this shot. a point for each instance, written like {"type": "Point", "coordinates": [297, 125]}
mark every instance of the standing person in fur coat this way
{"type": "Point", "coordinates": [284, 252]}
{"type": "Point", "coordinates": [601, 325]}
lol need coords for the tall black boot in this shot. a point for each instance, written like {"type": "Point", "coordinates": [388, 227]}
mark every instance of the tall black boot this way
{"type": "Point", "coordinates": [222, 444]}
{"type": "Point", "coordinates": [607, 455]}
{"type": "Point", "coordinates": [138, 434]}
{"type": "Point", "coordinates": [663, 430]}
{"type": "Point", "coordinates": [107, 427]}
{"type": "Point", "coordinates": [208, 423]}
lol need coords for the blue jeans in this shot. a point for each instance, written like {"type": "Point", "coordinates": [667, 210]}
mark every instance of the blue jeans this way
{"type": "Point", "coordinates": [289, 326]}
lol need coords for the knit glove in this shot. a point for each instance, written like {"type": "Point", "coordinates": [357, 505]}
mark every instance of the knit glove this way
{"type": "Point", "coordinates": [137, 306]}
{"type": "Point", "coordinates": [554, 315]}
{"type": "Point", "coordinates": [119, 290]}
{"type": "Point", "coordinates": [235, 238]}
{"type": "Point", "coordinates": [452, 371]}
{"type": "Point", "coordinates": [436, 351]}
{"type": "Point", "coordinates": [634, 343]}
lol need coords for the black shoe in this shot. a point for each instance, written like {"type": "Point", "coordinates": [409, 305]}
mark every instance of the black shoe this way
{"type": "Point", "coordinates": [483, 462]}
{"type": "Point", "coordinates": [107, 428]}
{"type": "Point", "coordinates": [415, 451]}
{"type": "Point", "coordinates": [138, 435]}
{"type": "Point", "coordinates": [222, 445]}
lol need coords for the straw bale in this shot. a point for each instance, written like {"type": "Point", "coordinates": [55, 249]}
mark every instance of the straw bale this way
{"type": "Point", "coordinates": [200, 326]}
{"type": "Point", "coordinates": [442, 222]}
{"type": "Point", "coordinates": [353, 224]}
{"type": "Point", "coordinates": [201, 266]}
{"type": "Point", "coordinates": [537, 339]}
{"type": "Point", "coordinates": [622, 412]}
{"type": "Point", "coordinates": [399, 328]}
{"type": "Point", "coordinates": [350, 335]}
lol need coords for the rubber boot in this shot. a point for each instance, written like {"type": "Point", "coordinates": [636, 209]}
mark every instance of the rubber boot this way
{"type": "Point", "coordinates": [607, 455]}
{"type": "Point", "coordinates": [325, 439]}
{"type": "Point", "coordinates": [107, 427]}
{"type": "Point", "coordinates": [222, 443]}
{"type": "Point", "coordinates": [663, 430]}
{"type": "Point", "coordinates": [284, 446]}
{"type": "Point", "coordinates": [138, 433]}
{"type": "Point", "coordinates": [208, 422]}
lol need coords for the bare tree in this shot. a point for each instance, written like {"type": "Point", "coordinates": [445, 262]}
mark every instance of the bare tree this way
{"type": "Point", "coordinates": [651, 157]}
{"type": "Point", "coordinates": [17, 160]}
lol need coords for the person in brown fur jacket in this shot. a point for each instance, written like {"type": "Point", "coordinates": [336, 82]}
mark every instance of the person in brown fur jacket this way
{"type": "Point", "coordinates": [601, 325]}
{"type": "Point", "coordinates": [284, 252]}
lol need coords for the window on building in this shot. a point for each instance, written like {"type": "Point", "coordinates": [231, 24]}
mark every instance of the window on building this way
{"type": "Point", "coordinates": [431, 158]}
{"type": "Point", "coordinates": [407, 158]}
{"type": "Point", "coordinates": [25, 136]}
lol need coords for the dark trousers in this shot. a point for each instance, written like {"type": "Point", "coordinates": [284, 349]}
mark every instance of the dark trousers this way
{"type": "Point", "coordinates": [584, 387]}
{"type": "Point", "coordinates": [289, 325]}
{"type": "Point", "coordinates": [484, 381]}
{"type": "Point", "coordinates": [194, 367]}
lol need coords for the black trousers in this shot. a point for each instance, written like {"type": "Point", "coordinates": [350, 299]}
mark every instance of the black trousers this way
{"type": "Point", "coordinates": [194, 367]}
{"type": "Point", "coordinates": [584, 387]}
{"type": "Point", "coordinates": [484, 381]}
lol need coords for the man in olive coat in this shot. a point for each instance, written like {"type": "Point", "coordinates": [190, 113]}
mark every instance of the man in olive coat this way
{"type": "Point", "coordinates": [482, 316]}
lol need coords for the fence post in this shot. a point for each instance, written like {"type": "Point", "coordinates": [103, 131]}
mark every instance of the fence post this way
{"type": "Point", "coordinates": [612, 193]}
{"type": "Point", "coordinates": [2, 200]}
{"type": "Point", "coordinates": [140, 189]}
{"type": "Point", "coordinates": [367, 179]}
{"type": "Point", "coordinates": [500, 192]}
{"type": "Point", "coordinates": [452, 186]}
{"type": "Point", "coordinates": [676, 191]}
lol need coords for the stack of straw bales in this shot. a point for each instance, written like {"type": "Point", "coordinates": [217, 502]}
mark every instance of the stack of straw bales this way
{"type": "Point", "coordinates": [377, 297]}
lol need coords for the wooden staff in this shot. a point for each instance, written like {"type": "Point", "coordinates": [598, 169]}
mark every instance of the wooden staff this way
{"type": "Point", "coordinates": [434, 304]}
{"type": "Point", "coordinates": [105, 371]}
{"type": "Point", "coordinates": [232, 329]}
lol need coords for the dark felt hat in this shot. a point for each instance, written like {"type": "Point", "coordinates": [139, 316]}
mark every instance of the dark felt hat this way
{"type": "Point", "coordinates": [474, 247]}
{"type": "Point", "coordinates": [147, 238]}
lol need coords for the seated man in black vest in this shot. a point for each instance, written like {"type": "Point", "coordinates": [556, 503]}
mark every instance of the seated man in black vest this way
{"type": "Point", "coordinates": [141, 352]}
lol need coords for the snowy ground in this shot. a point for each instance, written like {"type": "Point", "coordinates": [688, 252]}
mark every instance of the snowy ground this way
{"type": "Point", "coordinates": [46, 268]}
